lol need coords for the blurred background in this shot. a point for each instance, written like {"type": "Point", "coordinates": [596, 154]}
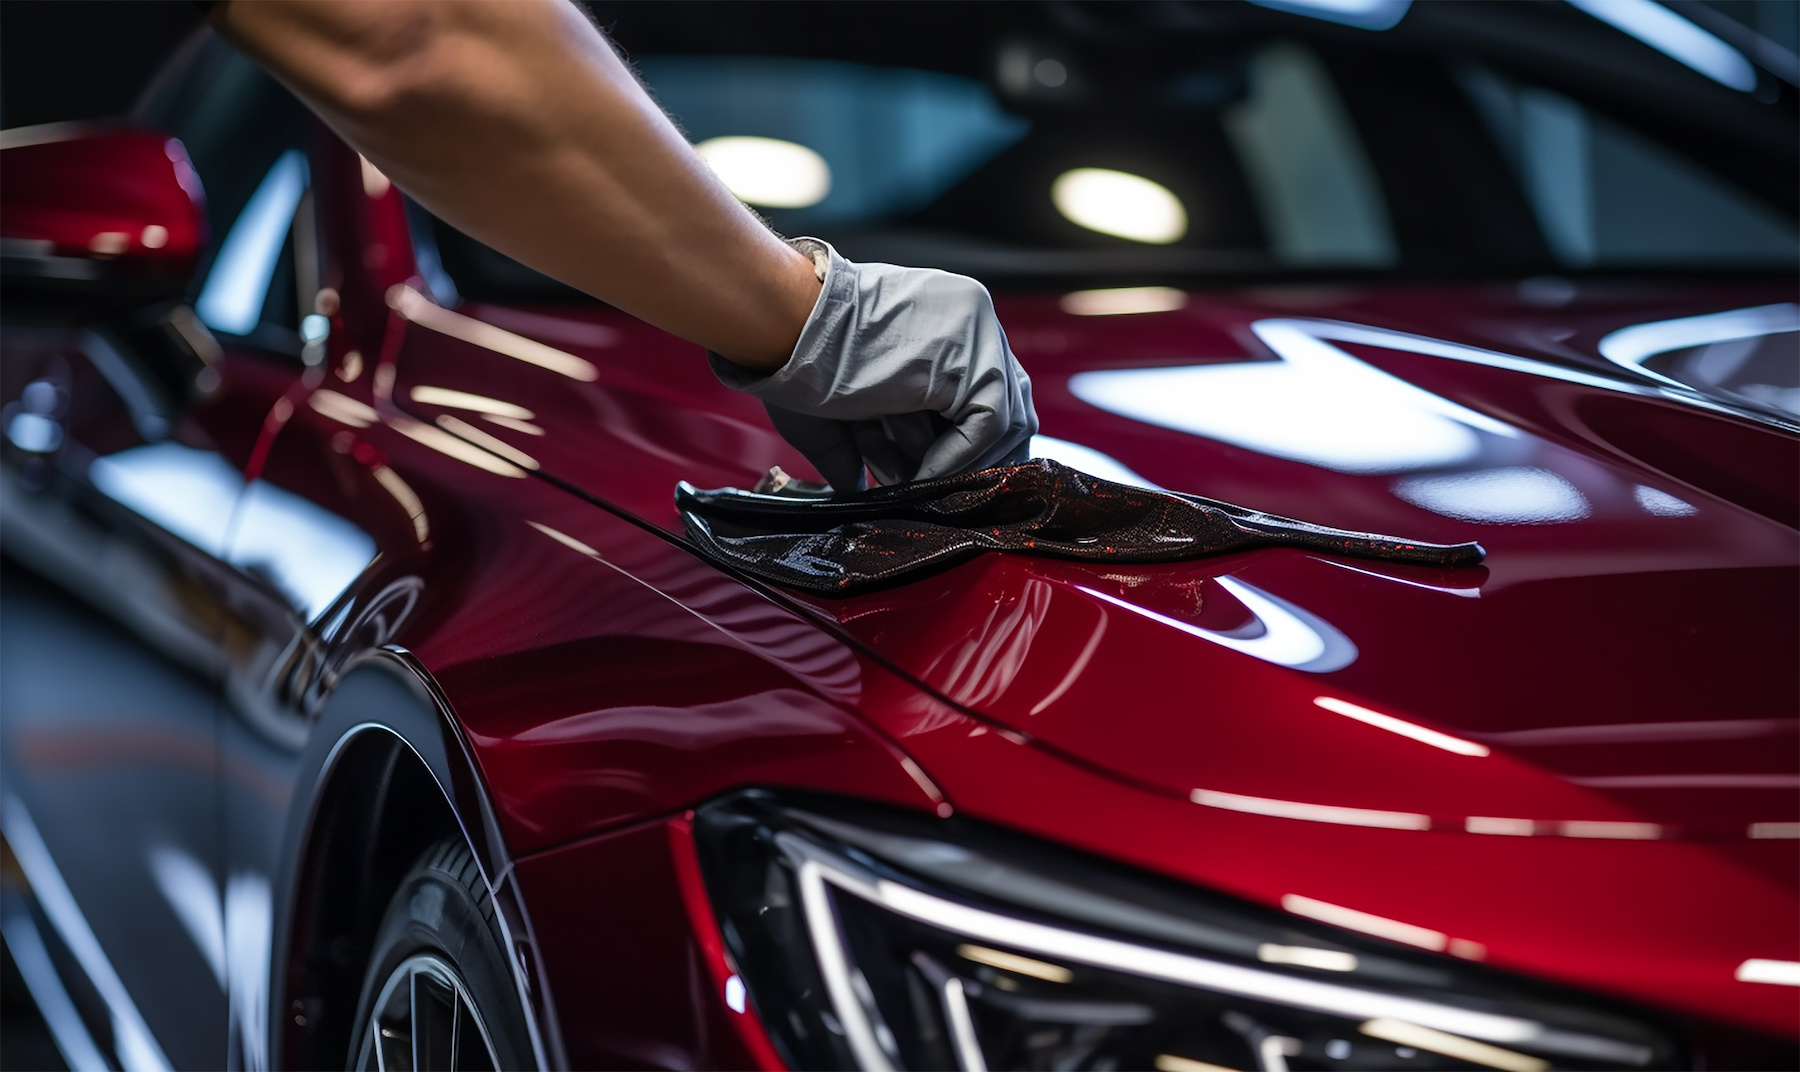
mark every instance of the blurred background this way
{"type": "Point", "coordinates": [61, 61]}
{"type": "Point", "coordinates": [1176, 140]}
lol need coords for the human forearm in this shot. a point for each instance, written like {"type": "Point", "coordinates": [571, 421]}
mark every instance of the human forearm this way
{"type": "Point", "coordinates": [515, 122]}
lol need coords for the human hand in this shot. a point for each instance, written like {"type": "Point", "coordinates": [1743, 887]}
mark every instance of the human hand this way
{"type": "Point", "coordinates": [905, 371]}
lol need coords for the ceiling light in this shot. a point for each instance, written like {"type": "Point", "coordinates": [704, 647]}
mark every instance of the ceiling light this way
{"type": "Point", "coordinates": [1120, 204]}
{"type": "Point", "coordinates": [768, 171]}
{"type": "Point", "coordinates": [1120, 300]}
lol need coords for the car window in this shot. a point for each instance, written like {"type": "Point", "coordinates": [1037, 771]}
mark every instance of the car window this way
{"type": "Point", "coordinates": [1605, 195]}
{"type": "Point", "coordinates": [891, 140]}
{"type": "Point", "coordinates": [1055, 145]}
{"type": "Point", "coordinates": [1319, 198]}
{"type": "Point", "coordinates": [238, 292]}
{"type": "Point", "coordinates": [245, 135]}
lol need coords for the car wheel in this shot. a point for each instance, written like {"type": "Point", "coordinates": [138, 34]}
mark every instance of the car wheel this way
{"type": "Point", "coordinates": [438, 993]}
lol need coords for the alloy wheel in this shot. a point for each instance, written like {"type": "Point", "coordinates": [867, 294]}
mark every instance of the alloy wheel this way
{"type": "Point", "coordinates": [423, 1018]}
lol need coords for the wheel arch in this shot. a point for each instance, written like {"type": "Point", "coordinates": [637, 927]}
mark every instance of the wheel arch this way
{"type": "Point", "coordinates": [386, 773]}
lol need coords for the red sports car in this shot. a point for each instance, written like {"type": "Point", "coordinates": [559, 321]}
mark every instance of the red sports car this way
{"type": "Point", "coordinates": [366, 702]}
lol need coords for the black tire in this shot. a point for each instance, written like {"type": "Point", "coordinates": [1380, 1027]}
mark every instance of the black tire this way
{"type": "Point", "coordinates": [439, 985]}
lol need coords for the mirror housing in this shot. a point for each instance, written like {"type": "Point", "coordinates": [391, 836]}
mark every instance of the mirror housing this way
{"type": "Point", "coordinates": [113, 214]}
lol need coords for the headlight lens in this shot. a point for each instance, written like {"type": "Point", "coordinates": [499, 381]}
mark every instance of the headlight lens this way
{"type": "Point", "coordinates": [881, 940]}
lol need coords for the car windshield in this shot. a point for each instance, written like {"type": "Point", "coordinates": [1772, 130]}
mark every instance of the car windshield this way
{"type": "Point", "coordinates": [1169, 142]}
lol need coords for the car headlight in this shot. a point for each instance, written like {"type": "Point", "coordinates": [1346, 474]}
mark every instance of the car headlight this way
{"type": "Point", "coordinates": [879, 940]}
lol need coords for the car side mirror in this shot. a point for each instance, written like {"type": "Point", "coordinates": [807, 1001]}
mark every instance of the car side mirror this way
{"type": "Point", "coordinates": [111, 215]}
{"type": "Point", "coordinates": [101, 230]}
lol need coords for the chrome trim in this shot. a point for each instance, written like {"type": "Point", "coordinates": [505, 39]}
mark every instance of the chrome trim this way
{"type": "Point", "coordinates": [818, 866]}
{"type": "Point", "coordinates": [962, 1026]}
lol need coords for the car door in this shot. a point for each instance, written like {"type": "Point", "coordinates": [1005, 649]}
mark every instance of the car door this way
{"type": "Point", "coordinates": [121, 488]}
{"type": "Point", "coordinates": [114, 517]}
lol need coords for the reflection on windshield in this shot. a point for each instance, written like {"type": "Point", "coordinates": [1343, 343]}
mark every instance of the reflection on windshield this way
{"type": "Point", "coordinates": [1241, 142]}
{"type": "Point", "coordinates": [1675, 37]}
{"type": "Point", "coordinates": [1362, 14]}
{"type": "Point", "coordinates": [1603, 193]}
{"type": "Point", "coordinates": [1315, 189]}
{"type": "Point", "coordinates": [238, 284]}
{"type": "Point", "coordinates": [888, 139]}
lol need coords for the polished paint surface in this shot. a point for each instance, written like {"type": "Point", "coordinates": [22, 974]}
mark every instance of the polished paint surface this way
{"type": "Point", "coordinates": [91, 193]}
{"type": "Point", "coordinates": [1564, 762]}
{"type": "Point", "coordinates": [1617, 661]}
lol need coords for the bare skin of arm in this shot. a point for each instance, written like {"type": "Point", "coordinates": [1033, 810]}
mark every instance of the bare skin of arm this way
{"type": "Point", "coordinates": [514, 121]}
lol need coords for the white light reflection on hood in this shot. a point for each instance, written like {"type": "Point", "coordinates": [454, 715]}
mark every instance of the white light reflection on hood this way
{"type": "Point", "coordinates": [1123, 301]}
{"type": "Point", "coordinates": [1630, 347]}
{"type": "Point", "coordinates": [1317, 405]}
{"type": "Point", "coordinates": [194, 896]}
{"type": "Point", "coordinates": [1288, 636]}
{"type": "Point", "coordinates": [1090, 461]}
{"type": "Point", "coordinates": [1519, 495]}
{"type": "Point", "coordinates": [421, 310]}
{"type": "Point", "coordinates": [1311, 813]}
{"type": "Point", "coordinates": [1778, 972]}
{"type": "Point", "coordinates": [1401, 727]}
{"type": "Point", "coordinates": [1662, 504]}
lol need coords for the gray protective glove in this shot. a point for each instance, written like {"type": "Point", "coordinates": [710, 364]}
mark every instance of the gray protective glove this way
{"type": "Point", "coordinates": [902, 370]}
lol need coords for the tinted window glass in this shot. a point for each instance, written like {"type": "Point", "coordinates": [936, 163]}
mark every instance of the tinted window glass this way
{"type": "Point", "coordinates": [1319, 198]}
{"type": "Point", "coordinates": [245, 134]}
{"type": "Point", "coordinates": [1117, 143]}
{"type": "Point", "coordinates": [893, 140]}
{"type": "Point", "coordinates": [1605, 195]}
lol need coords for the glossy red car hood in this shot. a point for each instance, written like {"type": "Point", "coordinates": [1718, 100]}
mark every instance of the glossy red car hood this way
{"type": "Point", "coordinates": [1624, 656]}
{"type": "Point", "coordinates": [1620, 668]}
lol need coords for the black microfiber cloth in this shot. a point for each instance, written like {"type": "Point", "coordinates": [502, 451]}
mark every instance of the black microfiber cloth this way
{"type": "Point", "coordinates": [844, 544]}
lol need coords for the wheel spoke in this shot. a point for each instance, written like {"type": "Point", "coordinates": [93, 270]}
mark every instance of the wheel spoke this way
{"type": "Point", "coordinates": [434, 1002]}
{"type": "Point", "coordinates": [456, 1019]}
{"type": "Point", "coordinates": [424, 1019]}
{"type": "Point", "coordinates": [368, 1055]}
{"type": "Point", "coordinates": [472, 1054]}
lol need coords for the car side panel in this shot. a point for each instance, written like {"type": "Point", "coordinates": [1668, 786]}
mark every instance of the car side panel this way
{"type": "Point", "coordinates": [114, 622]}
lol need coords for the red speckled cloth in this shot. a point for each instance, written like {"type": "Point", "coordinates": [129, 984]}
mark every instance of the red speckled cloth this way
{"type": "Point", "coordinates": [851, 543]}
